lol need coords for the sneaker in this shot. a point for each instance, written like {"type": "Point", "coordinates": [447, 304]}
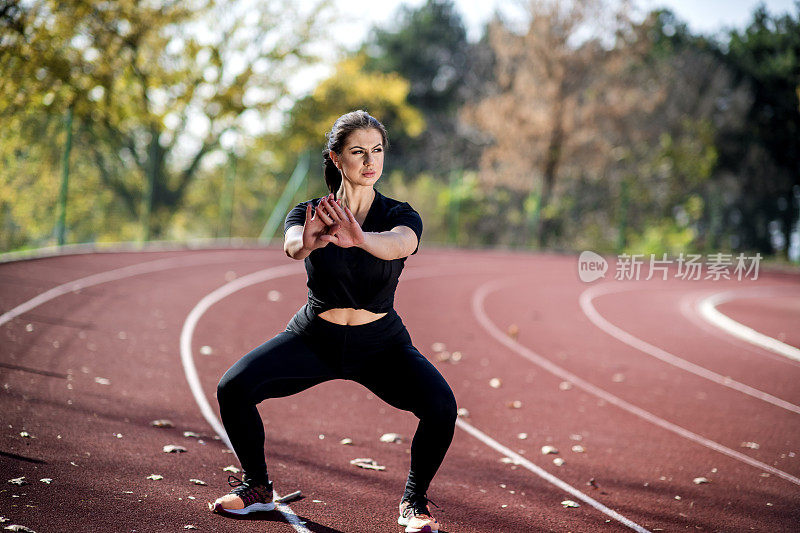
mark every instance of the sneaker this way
{"type": "Point", "coordinates": [417, 517]}
{"type": "Point", "coordinates": [244, 498]}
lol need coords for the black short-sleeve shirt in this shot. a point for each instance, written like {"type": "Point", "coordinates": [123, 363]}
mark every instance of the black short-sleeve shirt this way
{"type": "Point", "coordinates": [351, 277]}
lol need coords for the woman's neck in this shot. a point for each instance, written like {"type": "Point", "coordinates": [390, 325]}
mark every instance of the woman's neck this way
{"type": "Point", "coordinates": [357, 199]}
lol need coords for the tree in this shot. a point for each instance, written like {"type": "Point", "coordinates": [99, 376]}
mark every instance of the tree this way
{"type": "Point", "coordinates": [350, 87]}
{"type": "Point", "coordinates": [155, 86]}
{"type": "Point", "coordinates": [563, 94]}
{"type": "Point", "coordinates": [764, 150]}
{"type": "Point", "coordinates": [428, 46]}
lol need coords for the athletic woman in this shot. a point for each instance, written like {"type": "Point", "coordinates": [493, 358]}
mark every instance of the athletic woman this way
{"type": "Point", "coordinates": [354, 242]}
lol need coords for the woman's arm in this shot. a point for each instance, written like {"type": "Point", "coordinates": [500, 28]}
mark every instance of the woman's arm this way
{"type": "Point", "coordinates": [400, 241]}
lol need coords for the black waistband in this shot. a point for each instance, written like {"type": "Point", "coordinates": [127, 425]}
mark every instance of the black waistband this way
{"type": "Point", "coordinates": [308, 323]}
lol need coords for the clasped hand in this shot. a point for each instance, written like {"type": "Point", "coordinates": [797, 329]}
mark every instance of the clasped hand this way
{"type": "Point", "coordinates": [331, 222]}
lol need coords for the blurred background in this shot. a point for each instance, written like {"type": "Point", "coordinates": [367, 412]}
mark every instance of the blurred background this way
{"type": "Point", "coordinates": [552, 125]}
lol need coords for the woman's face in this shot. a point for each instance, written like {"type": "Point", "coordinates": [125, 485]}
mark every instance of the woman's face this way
{"type": "Point", "coordinates": [361, 160]}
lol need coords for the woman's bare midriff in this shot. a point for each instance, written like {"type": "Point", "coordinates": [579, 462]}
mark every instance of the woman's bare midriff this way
{"type": "Point", "coordinates": [349, 316]}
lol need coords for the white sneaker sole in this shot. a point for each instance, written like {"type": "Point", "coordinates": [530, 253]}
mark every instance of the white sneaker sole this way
{"type": "Point", "coordinates": [253, 508]}
{"type": "Point", "coordinates": [427, 529]}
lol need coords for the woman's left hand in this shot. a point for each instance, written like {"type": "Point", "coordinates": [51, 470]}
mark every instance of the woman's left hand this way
{"type": "Point", "coordinates": [348, 231]}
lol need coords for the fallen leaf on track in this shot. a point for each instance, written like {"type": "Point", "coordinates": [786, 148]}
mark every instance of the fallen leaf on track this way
{"type": "Point", "coordinates": [172, 448]}
{"type": "Point", "coordinates": [391, 437]}
{"type": "Point", "coordinates": [751, 445]}
{"type": "Point", "coordinates": [516, 404]}
{"type": "Point", "coordinates": [565, 385]}
{"type": "Point", "coordinates": [700, 480]}
{"type": "Point", "coordinates": [206, 350]}
{"type": "Point", "coordinates": [558, 461]}
{"type": "Point", "coordinates": [18, 481]}
{"type": "Point", "coordinates": [522, 436]}
{"type": "Point", "coordinates": [231, 468]}
{"type": "Point", "coordinates": [17, 527]}
{"type": "Point", "coordinates": [365, 462]}
{"type": "Point", "coordinates": [163, 423]}
{"type": "Point", "coordinates": [102, 381]}
{"type": "Point", "coordinates": [513, 331]}
{"type": "Point", "coordinates": [549, 449]}
{"type": "Point", "coordinates": [155, 477]}
{"type": "Point", "coordinates": [191, 434]}
{"type": "Point", "coordinates": [198, 481]}
{"type": "Point", "coordinates": [578, 448]}
{"type": "Point", "coordinates": [46, 480]}
{"type": "Point", "coordinates": [495, 383]}
{"type": "Point", "coordinates": [346, 442]}
{"type": "Point", "coordinates": [189, 526]}
{"type": "Point", "coordinates": [569, 503]}
{"type": "Point", "coordinates": [463, 412]}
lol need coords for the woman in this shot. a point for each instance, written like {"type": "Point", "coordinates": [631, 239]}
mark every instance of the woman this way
{"type": "Point", "coordinates": [354, 242]}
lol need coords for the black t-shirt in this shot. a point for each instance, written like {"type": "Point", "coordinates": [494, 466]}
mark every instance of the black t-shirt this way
{"type": "Point", "coordinates": [352, 277]}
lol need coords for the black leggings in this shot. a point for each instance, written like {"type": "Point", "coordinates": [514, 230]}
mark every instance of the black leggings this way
{"type": "Point", "coordinates": [378, 355]}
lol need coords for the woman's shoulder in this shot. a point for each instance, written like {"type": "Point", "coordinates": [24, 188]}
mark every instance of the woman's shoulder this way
{"type": "Point", "coordinates": [390, 204]}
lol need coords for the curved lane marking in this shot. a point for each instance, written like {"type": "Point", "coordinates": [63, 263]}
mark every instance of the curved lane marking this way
{"type": "Point", "coordinates": [708, 310]}
{"type": "Point", "coordinates": [690, 313]}
{"type": "Point", "coordinates": [480, 314]}
{"type": "Point", "coordinates": [621, 335]}
{"type": "Point", "coordinates": [283, 271]}
{"type": "Point", "coordinates": [116, 274]}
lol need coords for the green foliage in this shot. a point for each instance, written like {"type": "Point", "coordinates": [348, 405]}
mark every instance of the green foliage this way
{"type": "Point", "coordinates": [352, 87]}
{"type": "Point", "coordinates": [765, 149]}
{"type": "Point", "coordinates": [155, 86]}
{"type": "Point", "coordinates": [661, 141]}
{"type": "Point", "coordinates": [427, 45]}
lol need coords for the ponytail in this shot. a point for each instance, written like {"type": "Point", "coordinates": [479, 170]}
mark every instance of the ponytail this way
{"type": "Point", "coordinates": [333, 178]}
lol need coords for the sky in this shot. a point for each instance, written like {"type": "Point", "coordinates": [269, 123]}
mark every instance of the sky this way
{"type": "Point", "coordinates": [702, 16]}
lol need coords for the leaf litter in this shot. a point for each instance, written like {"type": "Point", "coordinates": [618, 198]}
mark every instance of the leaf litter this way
{"type": "Point", "coordinates": [367, 463]}
{"type": "Point", "coordinates": [391, 438]}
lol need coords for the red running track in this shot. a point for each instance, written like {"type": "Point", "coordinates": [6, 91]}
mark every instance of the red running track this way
{"type": "Point", "coordinates": [84, 374]}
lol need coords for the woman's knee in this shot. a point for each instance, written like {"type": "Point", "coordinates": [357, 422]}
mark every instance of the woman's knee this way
{"type": "Point", "coordinates": [231, 390]}
{"type": "Point", "coordinates": [442, 407]}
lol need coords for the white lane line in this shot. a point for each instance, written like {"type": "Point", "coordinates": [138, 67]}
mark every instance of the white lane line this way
{"type": "Point", "coordinates": [112, 275]}
{"type": "Point", "coordinates": [480, 314]}
{"type": "Point", "coordinates": [708, 310]}
{"type": "Point", "coordinates": [190, 369]}
{"type": "Point", "coordinates": [547, 476]}
{"type": "Point", "coordinates": [689, 311]}
{"type": "Point", "coordinates": [276, 272]}
{"type": "Point", "coordinates": [621, 335]}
